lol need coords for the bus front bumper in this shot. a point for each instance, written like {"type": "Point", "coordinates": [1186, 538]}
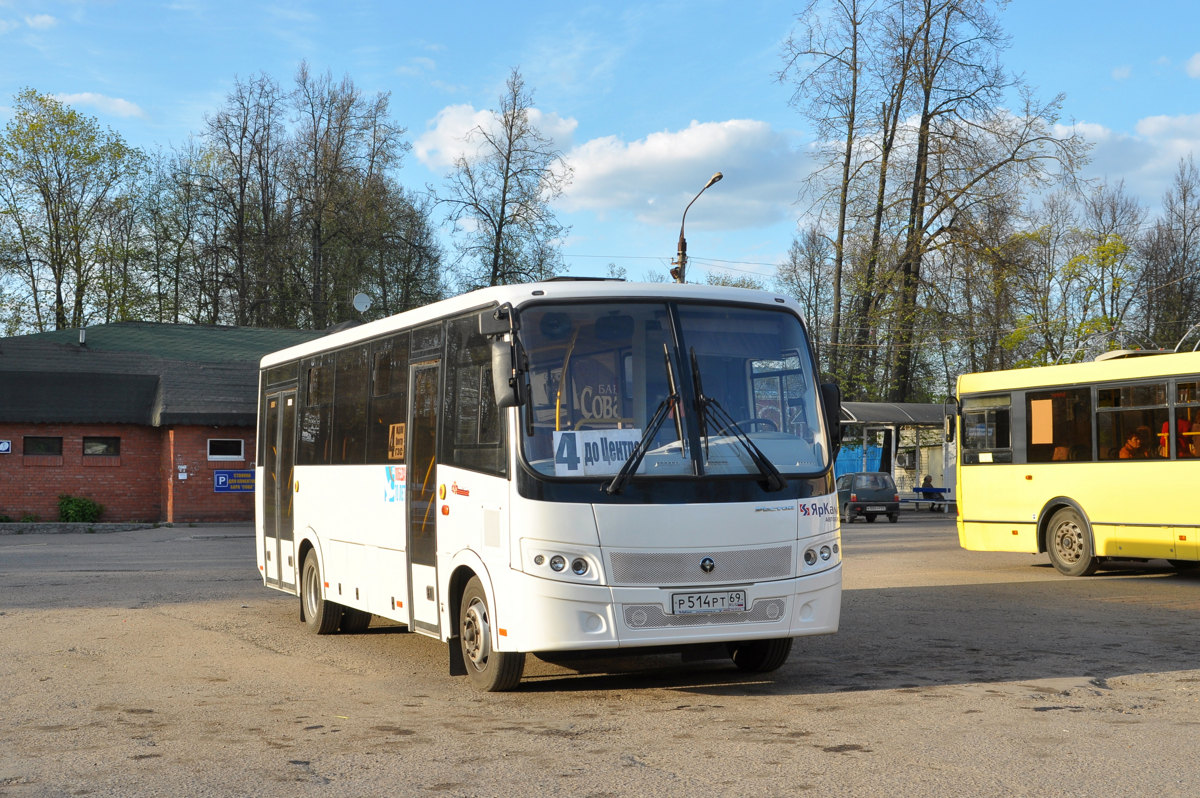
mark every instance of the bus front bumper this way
{"type": "Point", "coordinates": [559, 616]}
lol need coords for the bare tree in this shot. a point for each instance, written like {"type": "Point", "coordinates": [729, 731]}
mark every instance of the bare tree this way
{"type": "Point", "coordinates": [966, 147]}
{"type": "Point", "coordinates": [825, 62]}
{"type": "Point", "coordinates": [499, 196]}
{"type": "Point", "coordinates": [342, 142]}
{"type": "Point", "coordinates": [1170, 297]}
{"type": "Point", "coordinates": [805, 276]}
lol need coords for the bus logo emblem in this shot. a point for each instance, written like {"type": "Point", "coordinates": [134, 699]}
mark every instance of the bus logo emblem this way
{"type": "Point", "coordinates": [707, 565]}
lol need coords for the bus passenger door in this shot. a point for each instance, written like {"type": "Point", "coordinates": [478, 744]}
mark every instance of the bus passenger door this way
{"type": "Point", "coordinates": [278, 539]}
{"type": "Point", "coordinates": [422, 494]}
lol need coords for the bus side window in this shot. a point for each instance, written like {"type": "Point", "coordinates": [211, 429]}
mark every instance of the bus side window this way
{"type": "Point", "coordinates": [1059, 425]}
{"type": "Point", "coordinates": [316, 410]}
{"type": "Point", "coordinates": [472, 433]}
{"type": "Point", "coordinates": [350, 406]}
{"type": "Point", "coordinates": [1129, 419]}
{"type": "Point", "coordinates": [388, 409]}
{"type": "Point", "coordinates": [986, 430]}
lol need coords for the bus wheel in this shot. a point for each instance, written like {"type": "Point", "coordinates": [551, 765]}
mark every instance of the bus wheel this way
{"type": "Point", "coordinates": [760, 656]}
{"type": "Point", "coordinates": [1069, 544]}
{"type": "Point", "coordinates": [354, 620]}
{"type": "Point", "coordinates": [321, 616]}
{"type": "Point", "coordinates": [491, 671]}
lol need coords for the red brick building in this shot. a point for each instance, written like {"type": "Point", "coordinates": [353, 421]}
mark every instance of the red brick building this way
{"type": "Point", "coordinates": [156, 422]}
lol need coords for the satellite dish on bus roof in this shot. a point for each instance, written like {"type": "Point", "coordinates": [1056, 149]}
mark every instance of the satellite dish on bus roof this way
{"type": "Point", "coordinates": [362, 303]}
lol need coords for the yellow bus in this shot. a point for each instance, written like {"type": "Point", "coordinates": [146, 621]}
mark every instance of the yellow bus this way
{"type": "Point", "coordinates": [1086, 462]}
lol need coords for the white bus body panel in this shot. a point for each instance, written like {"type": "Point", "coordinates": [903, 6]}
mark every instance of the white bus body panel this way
{"type": "Point", "coordinates": [355, 517]}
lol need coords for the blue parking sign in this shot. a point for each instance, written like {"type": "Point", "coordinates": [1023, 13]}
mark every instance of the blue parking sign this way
{"type": "Point", "coordinates": [233, 481]}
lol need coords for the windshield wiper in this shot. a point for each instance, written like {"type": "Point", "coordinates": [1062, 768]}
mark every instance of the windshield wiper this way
{"type": "Point", "coordinates": [663, 410]}
{"type": "Point", "coordinates": [704, 404]}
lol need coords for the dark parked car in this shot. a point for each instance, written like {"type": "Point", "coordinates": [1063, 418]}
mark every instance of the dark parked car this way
{"type": "Point", "coordinates": [868, 494]}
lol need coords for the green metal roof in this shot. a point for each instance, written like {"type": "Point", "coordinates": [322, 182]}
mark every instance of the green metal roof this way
{"type": "Point", "coordinates": [137, 372]}
{"type": "Point", "coordinates": [194, 343]}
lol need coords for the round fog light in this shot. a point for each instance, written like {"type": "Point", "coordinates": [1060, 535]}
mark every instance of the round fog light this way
{"type": "Point", "coordinates": [558, 562]}
{"type": "Point", "coordinates": [579, 566]}
{"type": "Point", "coordinates": [538, 559]}
{"type": "Point", "coordinates": [825, 553]}
{"type": "Point", "coordinates": [810, 557]}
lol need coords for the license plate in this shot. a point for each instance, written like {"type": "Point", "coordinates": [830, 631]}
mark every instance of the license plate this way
{"type": "Point", "coordinates": [874, 508]}
{"type": "Point", "coordinates": [692, 603]}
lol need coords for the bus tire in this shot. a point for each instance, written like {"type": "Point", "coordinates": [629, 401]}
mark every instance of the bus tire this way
{"type": "Point", "coordinates": [321, 616]}
{"type": "Point", "coordinates": [760, 656]}
{"type": "Point", "coordinates": [490, 671]}
{"type": "Point", "coordinates": [1069, 544]}
{"type": "Point", "coordinates": [354, 620]}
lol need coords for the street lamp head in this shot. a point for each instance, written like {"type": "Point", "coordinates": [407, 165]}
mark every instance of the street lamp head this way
{"type": "Point", "coordinates": [681, 264]}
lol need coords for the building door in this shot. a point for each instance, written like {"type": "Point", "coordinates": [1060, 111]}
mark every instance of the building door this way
{"type": "Point", "coordinates": [278, 479]}
{"type": "Point", "coordinates": [422, 493]}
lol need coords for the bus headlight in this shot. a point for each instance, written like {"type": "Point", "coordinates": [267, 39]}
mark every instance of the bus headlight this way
{"type": "Point", "coordinates": [565, 563]}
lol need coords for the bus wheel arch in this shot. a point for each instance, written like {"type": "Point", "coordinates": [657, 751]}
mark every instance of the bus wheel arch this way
{"type": "Point", "coordinates": [489, 670]}
{"type": "Point", "coordinates": [1065, 534]}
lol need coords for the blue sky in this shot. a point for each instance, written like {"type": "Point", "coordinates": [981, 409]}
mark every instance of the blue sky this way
{"type": "Point", "coordinates": [646, 99]}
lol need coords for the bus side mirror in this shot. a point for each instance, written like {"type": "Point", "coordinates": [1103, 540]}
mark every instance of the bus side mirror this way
{"type": "Point", "coordinates": [499, 324]}
{"type": "Point", "coordinates": [504, 378]}
{"type": "Point", "coordinates": [831, 402]}
{"type": "Point", "coordinates": [949, 422]}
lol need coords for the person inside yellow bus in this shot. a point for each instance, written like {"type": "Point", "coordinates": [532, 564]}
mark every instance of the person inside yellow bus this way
{"type": "Point", "coordinates": [1135, 447]}
{"type": "Point", "coordinates": [1181, 443]}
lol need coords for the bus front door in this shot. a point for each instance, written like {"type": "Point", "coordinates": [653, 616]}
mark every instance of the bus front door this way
{"type": "Point", "coordinates": [278, 539]}
{"type": "Point", "coordinates": [422, 494]}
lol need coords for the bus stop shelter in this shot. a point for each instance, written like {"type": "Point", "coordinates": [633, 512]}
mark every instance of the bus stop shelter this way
{"type": "Point", "coordinates": [904, 439]}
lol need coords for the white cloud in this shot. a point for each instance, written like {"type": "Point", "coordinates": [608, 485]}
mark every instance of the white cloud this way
{"type": "Point", "coordinates": [654, 178]}
{"type": "Point", "coordinates": [1122, 73]}
{"type": "Point", "coordinates": [109, 105]}
{"type": "Point", "coordinates": [1193, 66]}
{"type": "Point", "coordinates": [445, 138]}
{"type": "Point", "coordinates": [1148, 158]}
{"type": "Point", "coordinates": [6, 26]}
{"type": "Point", "coordinates": [41, 21]}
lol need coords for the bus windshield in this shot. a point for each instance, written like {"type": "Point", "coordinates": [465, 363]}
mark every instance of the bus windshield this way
{"type": "Point", "coordinates": [675, 389]}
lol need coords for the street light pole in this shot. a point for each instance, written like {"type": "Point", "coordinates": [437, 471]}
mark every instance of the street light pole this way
{"type": "Point", "coordinates": [680, 263]}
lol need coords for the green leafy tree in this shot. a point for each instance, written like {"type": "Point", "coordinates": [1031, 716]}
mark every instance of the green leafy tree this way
{"type": "Point", "coordinates": [61, 178]}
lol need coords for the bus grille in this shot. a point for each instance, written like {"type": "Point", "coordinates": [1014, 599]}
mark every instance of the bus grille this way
{"type": "Point", "coordinates": [683, 568]}
{"type": "Point", "coordinates": [651, 616]}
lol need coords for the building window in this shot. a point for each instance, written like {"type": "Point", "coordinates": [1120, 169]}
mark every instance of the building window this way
{"type": "Point", "coordinates": [226, 449]}
{"type": "Point", "coordinates": [101, 447]}
{"type": "Point", "coordinates": [43, 446]}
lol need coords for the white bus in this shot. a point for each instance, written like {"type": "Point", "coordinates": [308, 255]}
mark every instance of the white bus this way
{"type": "Point", "coordinates": [560, 466]}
